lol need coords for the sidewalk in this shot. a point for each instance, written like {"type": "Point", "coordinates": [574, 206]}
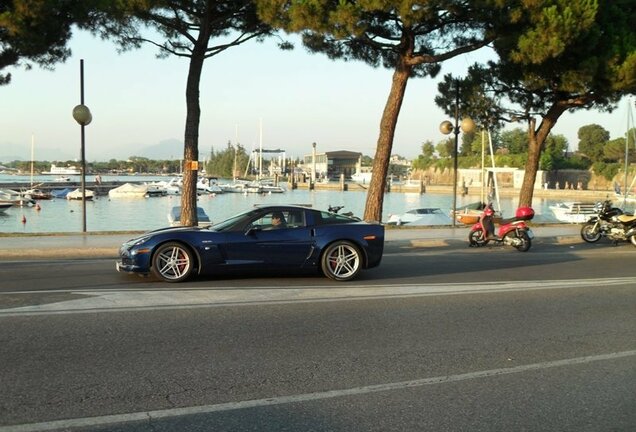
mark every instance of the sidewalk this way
{"type": "Point", "coordinates": [101, 245]}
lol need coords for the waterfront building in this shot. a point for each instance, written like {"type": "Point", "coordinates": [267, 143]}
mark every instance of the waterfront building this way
{"type": "Point", "coordinates": [332, 164]}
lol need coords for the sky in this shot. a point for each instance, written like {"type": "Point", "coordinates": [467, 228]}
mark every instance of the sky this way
{"type": "Point", "coordinates": [138, 100]}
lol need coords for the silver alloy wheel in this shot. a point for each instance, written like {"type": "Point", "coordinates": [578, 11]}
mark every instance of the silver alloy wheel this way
{"type": "Point", "coordinates": [172, 262]}
{"type": "Point", "coordinates": [341, 261]}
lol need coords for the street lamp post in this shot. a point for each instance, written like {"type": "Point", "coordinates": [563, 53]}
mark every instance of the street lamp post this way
{"type": "Point", "coordinates": [313, 165]}
{"type": "Point", "coordinates": [446, 127]}
{"type": "Point", "coordinates": [82, 115]}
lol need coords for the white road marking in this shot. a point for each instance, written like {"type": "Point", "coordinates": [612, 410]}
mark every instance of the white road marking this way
{"type": "Point", "coordinates": [153, 299]}
{"type": "Point", "coordinates": [148, 416]}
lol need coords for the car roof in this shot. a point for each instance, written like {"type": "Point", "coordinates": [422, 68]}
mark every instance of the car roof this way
{"type": "Point", "coordinates": [284, 206]}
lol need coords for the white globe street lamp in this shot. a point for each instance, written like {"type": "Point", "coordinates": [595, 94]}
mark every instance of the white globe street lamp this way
{"type": "Point", "coordinates": [83, 117]}
{"type": "Point", "coordinates": [467, 125]}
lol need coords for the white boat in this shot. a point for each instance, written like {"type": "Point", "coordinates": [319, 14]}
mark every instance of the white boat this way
{"type": "Point", "coordinates": [420, 217]}
{"type": "Point", "coordinates": [56, 170]}
{"type": "Point", "coordinates": [129, 190]}
{"type": "Point", "coordinates": [362, 177]}
{"type": "Point", "coordinates": [208, 185]}
{"type": "Point", "coordinates": [161, 188]}
{"type": "Point", "coordinates": [268, 186]}
{"type": "Point", "coordinates": [4, 206]}
{"type": "Point", "coordinates": [242, 186]}
{"type": "Point", "coordinates": [268, 189]}
{"type": "Point", "coordinates": [15, 198]}
{"type": "Point", "coordinates": [174, 217]}
{"type": "Point", "coordinates": [62, 179]}
{"type": "Point", "coordinates": [77, 195]}
{"type": "Point", "coordinates": [156, 190]}
{"type": "Point", "coordinates": [573, 212]}
{"type": "Point", "coordinates": [621, 198]}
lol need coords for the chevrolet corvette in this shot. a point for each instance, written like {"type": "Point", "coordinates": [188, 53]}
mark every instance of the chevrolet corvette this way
{"type": "Point", "coordinates": [279, 238]}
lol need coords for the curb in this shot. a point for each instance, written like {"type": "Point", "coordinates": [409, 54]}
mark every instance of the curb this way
{"type": "Point", "coordinates": [77, 253]}
{"type": "Point", "coordinates": [113, 252]}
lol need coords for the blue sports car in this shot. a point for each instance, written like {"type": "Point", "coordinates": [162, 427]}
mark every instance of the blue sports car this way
{"type": "Point", "coordinates": [281, 237]}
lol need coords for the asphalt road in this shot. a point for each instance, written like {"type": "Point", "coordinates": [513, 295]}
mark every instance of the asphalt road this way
{"type": "Point", "coordinates": [439, 339]}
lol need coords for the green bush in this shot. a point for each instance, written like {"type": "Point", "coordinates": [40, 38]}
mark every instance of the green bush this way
{"type": "Point", "coordinates": [606, 170]}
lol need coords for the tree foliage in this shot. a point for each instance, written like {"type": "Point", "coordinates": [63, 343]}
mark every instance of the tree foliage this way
{"type": "Point", "coordinates": [426, 158]}
{"type": "Point", "coordinates": [229, 162]}
{"type": "Point", "coordinates": [37, 31]}
{"type": "Point", "coordinates": [592, 139]}
{"type": "Point", "coordinates": [409, 37]}
{"type": "Point", "coordinates": [514, 141]}
{"type": "Point", "coordinates": [555, 56]}
{"type": "Point", "coordinates": [196, 30]}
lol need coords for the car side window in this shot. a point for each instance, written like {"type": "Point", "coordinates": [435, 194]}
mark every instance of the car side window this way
{"type": "Point", "coordinates": [280, 220]}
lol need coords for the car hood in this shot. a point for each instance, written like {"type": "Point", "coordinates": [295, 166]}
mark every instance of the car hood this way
{"type": "Point", "coordinates": [162, 231]}
{"type": "Point", "coordinates": [174, 230]}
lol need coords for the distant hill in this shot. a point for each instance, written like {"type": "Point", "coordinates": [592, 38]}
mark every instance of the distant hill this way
{"type": "Point", "coordinates": [44, 154]}
{"type": "Point", "coordinates": [166, 149]}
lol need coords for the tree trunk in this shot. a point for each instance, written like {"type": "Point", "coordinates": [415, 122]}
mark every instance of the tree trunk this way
{"type": "Point", "coordinates": [375, 194]}
{"type": "Point", "coordinates": [191, 141]}
{"type": "Point", "coordinates": [536, 140]}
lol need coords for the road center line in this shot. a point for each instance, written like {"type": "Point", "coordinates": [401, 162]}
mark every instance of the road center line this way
{"type": "Point", "coordinates": [149, 416]}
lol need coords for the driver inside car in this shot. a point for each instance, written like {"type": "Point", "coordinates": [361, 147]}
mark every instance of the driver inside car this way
{"type": "Point", "coordinates": [278, 220]}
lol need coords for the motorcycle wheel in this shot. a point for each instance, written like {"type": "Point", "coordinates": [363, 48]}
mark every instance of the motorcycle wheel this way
{"type": "Point", "coordinates": [525, 241]}
{"type": "Point", "coordinates": [474, 239]}
{"type": "Point", "coordinates": [633, 240]}
{"type": "Point", "coordinates": [589, 234]}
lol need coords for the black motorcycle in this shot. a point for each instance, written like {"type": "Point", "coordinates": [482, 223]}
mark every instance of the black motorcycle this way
{"type": "Point", "coordinates": [610, 222]}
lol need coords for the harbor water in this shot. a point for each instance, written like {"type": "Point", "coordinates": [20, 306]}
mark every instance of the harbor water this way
{"type": "Point", "coordinates": [142, 214]}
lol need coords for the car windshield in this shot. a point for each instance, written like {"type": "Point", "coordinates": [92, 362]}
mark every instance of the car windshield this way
{"type": "Point", "coordinates": [235, 222]}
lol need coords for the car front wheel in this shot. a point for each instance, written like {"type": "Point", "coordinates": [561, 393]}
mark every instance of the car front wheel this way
{"type": "Point", "coordinates": [341, 261]}
{"type": "Point", "coordinates": [172, 262]}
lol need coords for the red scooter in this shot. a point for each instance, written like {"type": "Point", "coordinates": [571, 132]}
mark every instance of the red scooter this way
{"type": "Point", "coordinates": [514, 231]}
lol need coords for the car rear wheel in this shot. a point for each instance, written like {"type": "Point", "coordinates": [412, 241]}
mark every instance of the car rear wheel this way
{"type": "Point", "coordinates": [341, 261]}
{"type": "Point", "coordinates": [172, 262]}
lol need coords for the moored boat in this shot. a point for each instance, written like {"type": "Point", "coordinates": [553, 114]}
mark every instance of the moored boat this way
{"type": "Point", "coordinates": [4, 206]}
{"type": "Point", "coordinates": [37, 194]}
{"type": "Point", "coordinates": [61, 193]}
{"type": "Point", "coordinates": [15, 198]}
{"type": "Point", "coordinates": [174, 216]}
{"type": "Point", "coordinates": [77, 195]}
{"type": "Point", "coordinates": [420, 217]}
{"type": "Point", "coordinates": [128, 190]}
{"type": "Point", "coordinates": [573, 212]}
{"type": "Point", "coordinates": [470, 213]}
{"type": "Point", "coordinates": [63, 171]}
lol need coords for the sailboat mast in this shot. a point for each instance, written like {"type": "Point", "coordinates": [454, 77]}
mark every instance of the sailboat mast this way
{"type": "Point", "coordinates": [236, 144]}
{"type": "Point", "coordinates": [483, 166]}
{"type": "Point", "coordinates": [32, 145]}
{"type": "Point", "coordinates": [260, 153]}
{"type": "Point", "coordinates": [630, 122]}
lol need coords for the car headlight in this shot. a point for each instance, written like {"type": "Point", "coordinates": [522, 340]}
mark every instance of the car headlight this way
{"type": "Point", "coordinates": [136, 242]}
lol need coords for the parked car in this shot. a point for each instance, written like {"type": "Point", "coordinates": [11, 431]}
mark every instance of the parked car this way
{"type": "Point", "coordinates": [338, 245]}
